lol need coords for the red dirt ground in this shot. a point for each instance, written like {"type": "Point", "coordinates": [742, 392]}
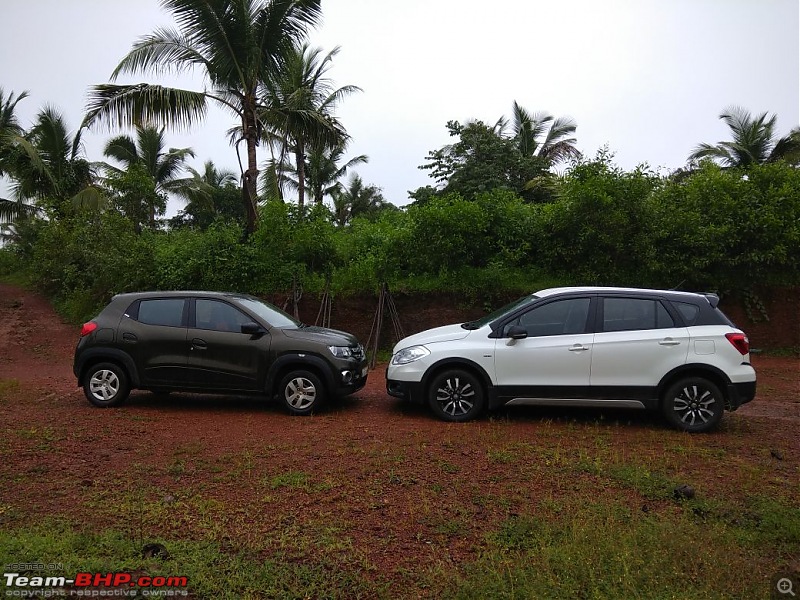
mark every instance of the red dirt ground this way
{"type": "Point", "coordinates": [385, 467]}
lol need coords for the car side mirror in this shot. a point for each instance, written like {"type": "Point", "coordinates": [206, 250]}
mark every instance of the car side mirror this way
{"type": "Point", "coordinates": [253, 329]}
{"type": "Point", "coordinates": [517, 332]}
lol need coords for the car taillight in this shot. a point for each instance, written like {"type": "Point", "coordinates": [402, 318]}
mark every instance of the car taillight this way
{"type": "Point", "coordinates": [88, 328]}
{"type": "Point", "coordinates": [739, 341]}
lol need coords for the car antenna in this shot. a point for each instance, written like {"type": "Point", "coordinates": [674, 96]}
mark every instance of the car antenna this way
{"type": "Point", "coordinates": [677, 287]}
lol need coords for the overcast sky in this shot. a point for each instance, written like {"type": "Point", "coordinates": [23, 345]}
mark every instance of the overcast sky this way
{"type": "Point", "coordinates": [648, 78]}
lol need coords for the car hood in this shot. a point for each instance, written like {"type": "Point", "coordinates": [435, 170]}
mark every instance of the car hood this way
{"type": "Point", "coordinates": [323, 335]}
{"type": "Point", "coordinates": [447, 333]}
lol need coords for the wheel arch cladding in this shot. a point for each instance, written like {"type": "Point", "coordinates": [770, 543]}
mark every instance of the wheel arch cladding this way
{"type": "Point", "coordinates": [294, 362]}
{"type": "Point", "coordinates": [713, 374]}
{"type": "Point", "coordinates": [110, 355]}
{"type": "Point", "coordinates": [457, 363]}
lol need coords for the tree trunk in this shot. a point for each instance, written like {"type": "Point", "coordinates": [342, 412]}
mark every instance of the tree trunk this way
{"type": "Point", "coordinates": [301, 176]}
{"type": "Point", "coordinates": [249, 190]}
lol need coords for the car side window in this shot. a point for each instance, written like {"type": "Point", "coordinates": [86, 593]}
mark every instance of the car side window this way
{"type": "Point", "coordinates": [689, 312]}
{"type": "Point", "coordinates": [630, 314]}
{"type": "Point", "coordinates": [219, 316]}
{"type": "Point", "coordinates": [560, 317]}
{"type": "Point", "coordinates": [167, 312]}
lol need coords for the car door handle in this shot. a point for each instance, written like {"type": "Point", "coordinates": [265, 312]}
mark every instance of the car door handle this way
{"type": "Point", "coordinates": [198, 344]}
{"type": "Point", "coordinates": [669, 342]}
{"type": "Point", "coordinates": [129, 337]}
{"type": "Point", "coordinates": [578, 348]}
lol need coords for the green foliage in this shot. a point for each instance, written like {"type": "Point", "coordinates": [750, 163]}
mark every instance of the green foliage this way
{"type": "Point", "coordinates": [291, 243]}
{"type": "Point", "coordinates": [452, 232]}
{"type": "Point", "coordinates": [728, 229]}
{"type": "Point", "coordinates": [82, 263]}
{"type": "Point", "coordinates": [715, 229]}
{"type": "Point", "coordinates": [135, 195]}
{"type": "Point", "coordinates": [214, 259]}
{"type": "Point", "coordinates": [599, 231]}
{"type": "Point", "coordinates": [481, 161]}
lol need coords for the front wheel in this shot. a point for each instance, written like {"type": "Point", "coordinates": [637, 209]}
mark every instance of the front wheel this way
{"type": "Point", "coordinates": [302, 392]}
{"type": "Point", "coordinates": [106, 384]}
{"type": "Point", "coordinates": [456, 395]}
{"type": "Point", "coordinates": [693, 404]}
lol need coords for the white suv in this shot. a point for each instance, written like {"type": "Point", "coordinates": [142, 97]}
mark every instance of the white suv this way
{"type": "Point", "coordinates": [587, 346]}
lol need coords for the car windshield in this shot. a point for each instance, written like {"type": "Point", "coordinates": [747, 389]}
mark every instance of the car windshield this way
{"type": "Point", "coordinates": [511, 306]}
{"type": "Point", "coordinates": [271, 314]}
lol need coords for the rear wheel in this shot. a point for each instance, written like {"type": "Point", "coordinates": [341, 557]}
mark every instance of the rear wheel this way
{"type": "Point", "coordinates": [106, 384]}
{"type": "Point", "coordinates": [302, 392]}
{"type": "Point", "coordinates": [456, 395]}
{"type": "Point", "coordinates": [693, 404]}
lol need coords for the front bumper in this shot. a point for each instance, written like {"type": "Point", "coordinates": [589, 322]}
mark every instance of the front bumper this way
{"type": "Point", "coordinates": [350, 377]}
{"type": "Point", "coordinates": [407, 390]}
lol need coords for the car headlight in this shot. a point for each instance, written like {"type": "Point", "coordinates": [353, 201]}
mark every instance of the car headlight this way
{"type": "Point", "coordinates": [409, 355]}
{"type": "Point", "coordinates": [340, 351]}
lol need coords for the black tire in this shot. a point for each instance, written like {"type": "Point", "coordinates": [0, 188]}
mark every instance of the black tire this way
{"type": "Point", "coordinates": [105, 385]}
{"type": "Point", "coordinates": [693, 404]}
{"type": "Point", "coordinates": [456, 396]}
{"type": "Point", "coordinates": [301, 392]}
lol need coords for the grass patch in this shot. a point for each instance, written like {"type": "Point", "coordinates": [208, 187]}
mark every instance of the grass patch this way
{"type": "Point", "coordinates": [8, 389]}
{"type": "Point", "coordinates": [212, 570]}
{"type": "Point", "coordinates": [296, 480]}
{"type": "Point", "coordinates": [609, 551]}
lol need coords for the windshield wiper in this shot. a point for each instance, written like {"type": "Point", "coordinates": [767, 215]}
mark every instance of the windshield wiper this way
{"type": "Point", "coordinates": [469, 325]}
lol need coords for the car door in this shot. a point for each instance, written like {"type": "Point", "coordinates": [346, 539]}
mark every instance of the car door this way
{"type": "Point", "coordinates": [153, 332]}
{"type": "Point", "coordinates": [554, 360]}
{"type": "Point", "coordinates": [221, 357]}
{"type": "Point", "coordinates": [637, 342]}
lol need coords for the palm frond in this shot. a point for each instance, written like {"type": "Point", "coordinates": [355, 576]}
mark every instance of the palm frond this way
{"type": "Point", "coordinates": [91, 197]}
{"type": "Point", "coordinates": [9, 123]}
{"type": "Point", "coordinates": [164, 51]}
{"type": "Point", "coordinates": [11, 210]}
{"type": "Point", "coordinates": [704, 150]}
{"type": "Point", "coordinates": [123, 149]}
{"type": "Point", "coordinates": [123, 106]}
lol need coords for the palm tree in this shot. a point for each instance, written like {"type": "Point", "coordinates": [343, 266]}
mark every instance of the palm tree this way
{"type": "Point", "coordinates": [13, 146]}
{"type": "Point", "coordinates": [323, 170]}
{"type": "Point", "coordinates": [147, 152]}
{"type": "Point", "coordinates": [238, 45]}
{"type": "Point", "coordinates": [753, 141]}
{"type": "Point", "coordinates": [299, 105]}
{"type": "Point", "coordinates": [53, 173]}
{"type": "Point", "coordinates": [541, 134]}
{"type": "Point", "coordinates": [10, 129]}
{"type": "Point", "coordinates": [205, 195]}
{"type": "Point", "coordinates": [357, 200]}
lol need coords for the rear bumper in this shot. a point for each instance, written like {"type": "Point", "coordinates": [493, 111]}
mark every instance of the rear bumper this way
{"type": "Point", "coordinates": [740, 393]}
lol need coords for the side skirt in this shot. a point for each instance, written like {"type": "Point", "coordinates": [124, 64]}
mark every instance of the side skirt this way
{"type": "Point", "coordinates": [585, 402]}
{"type": "Point", "coordinates": [608, 396]}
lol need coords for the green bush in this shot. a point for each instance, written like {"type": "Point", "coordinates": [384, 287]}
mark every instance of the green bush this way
{"type": "Point", "coordinates": [718, 229]}
{"type": "Point", "coordinates": [600, 229]}
{"type": "Point", "coordinates": [727, 229]}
